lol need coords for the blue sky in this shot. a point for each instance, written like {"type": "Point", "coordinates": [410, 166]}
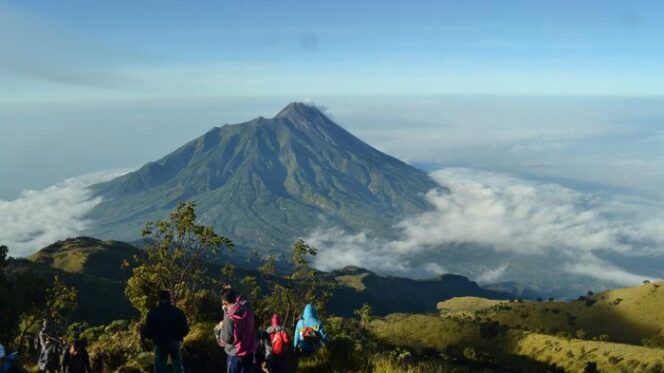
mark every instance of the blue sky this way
{"type": "Point", "coordinates": [83, 50]}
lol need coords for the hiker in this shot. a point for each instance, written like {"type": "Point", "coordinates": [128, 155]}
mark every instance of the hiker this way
{"type": "Point", "coordinates": [277, 359]}
{"type": "Point", "coordinates": [236, 333]}
{"type": "Point", "coordinates": [49, 350]}
{"type": "Point", "coordinates": [9, 363]}
{"type": "Point", "coordinates": [167, 326]}
{"type": "Point", "coordinates": [309, 332]}
{"type": "Point", "coordinates": [76, 359]}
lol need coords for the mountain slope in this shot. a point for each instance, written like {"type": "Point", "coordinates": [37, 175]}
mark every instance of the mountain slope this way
{"type": "Point", "coordinates": [387, 294]}
{"type": "Point", "coordinates": [93, 267]}
{"type": "Point", "coordinates": [87, 255]}
{"type": "Point", "coordinates": [267, 181]}
{"type": "Point", "coordinates": [625, 315]}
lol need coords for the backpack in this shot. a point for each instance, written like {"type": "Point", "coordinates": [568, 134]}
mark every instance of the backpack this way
{"type": "Point", "coordinates": [310, 335]}
{"type": "Point", "coordinates": [277, 342]}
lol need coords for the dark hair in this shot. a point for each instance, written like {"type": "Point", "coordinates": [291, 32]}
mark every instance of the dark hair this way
{"type": "Point", "coordinates": [228, 296]}
{"type": "Point", "coordinates": [164, 295]}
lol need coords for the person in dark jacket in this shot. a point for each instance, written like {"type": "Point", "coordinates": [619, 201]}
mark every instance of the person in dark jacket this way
{"type": "Point", "coordinates": [167, 326]}
{"type": "Point", "coordinates": [76, 359]}
{"type": "Point", "coordinates": [237, 333]}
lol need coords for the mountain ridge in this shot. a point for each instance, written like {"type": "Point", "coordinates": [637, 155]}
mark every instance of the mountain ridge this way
{"type": "Point", "coordinates": [268, 181]}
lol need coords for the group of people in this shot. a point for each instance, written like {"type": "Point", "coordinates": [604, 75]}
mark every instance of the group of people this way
{"type": "Point", "coordinates": [248, 349]}
{"type": "Point", "coordinates": [54, 356]}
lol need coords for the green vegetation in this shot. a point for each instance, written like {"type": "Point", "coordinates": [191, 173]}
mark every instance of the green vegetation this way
{"type": "Point", "coordinates": [627, 315]}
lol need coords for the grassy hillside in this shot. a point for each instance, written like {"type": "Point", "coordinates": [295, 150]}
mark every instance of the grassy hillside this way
{"type": "Point", "coordinates": [502, 347]}
{"type": "Point", "coordinates": [622, 315]}
{"type": "Point", "coordinates": [93, 267]}
{"type": "Point", "coordinates": [86, 255]}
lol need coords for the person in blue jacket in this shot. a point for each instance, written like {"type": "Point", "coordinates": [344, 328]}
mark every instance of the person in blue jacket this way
{"type": "Point", "coordinates": [309, 332]}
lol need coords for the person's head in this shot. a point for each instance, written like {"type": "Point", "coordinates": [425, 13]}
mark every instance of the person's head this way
{"type": "Point", "coordinates": [164, 296]}
{"type": "Point", "coordinates": [276, 320]}
{"type": "Point", "coordinates": [45, 324]}
{"type": "Point", "coordinates": [77, 344]}
{"type": "Point", "coordinates": [309, 312]}
{"type": "Point", "coordinates": [228, 297]}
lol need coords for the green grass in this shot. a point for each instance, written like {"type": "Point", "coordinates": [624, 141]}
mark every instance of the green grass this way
{"type": "Point", "coordinates": [623, 315]}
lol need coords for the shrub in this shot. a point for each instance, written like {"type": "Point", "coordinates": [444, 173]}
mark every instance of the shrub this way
{"type": "Point", "coordinates": [470, 353]}
{"type": "Point", "coordinates": [581, 334]}
{"type": "Point", "coordinates": [656, 341]}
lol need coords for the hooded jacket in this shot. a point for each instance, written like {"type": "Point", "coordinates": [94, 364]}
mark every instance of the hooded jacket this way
{"type": "Point", "coordinates": [309, 319]}
{"type": "Point", "coordinates": [276, 327]}
{"type": "Point", "coordinates": [238, 332]}
{"type": "Point", "coordinates": [165, 324]}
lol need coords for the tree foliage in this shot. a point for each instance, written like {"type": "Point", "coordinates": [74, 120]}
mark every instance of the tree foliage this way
{"type": "Point", "coordinates": [175, 260]}
{"type": "Point", "coordinates": [288, 294]}
{"type": "Point", "coordinates": [35, 301]}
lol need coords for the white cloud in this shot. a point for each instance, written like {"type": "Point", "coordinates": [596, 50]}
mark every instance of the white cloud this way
{"type": "Point", "coordinates": [510, 215]}
{"type": "Point", "coordinates": [603, 270]}
{"type": "Point", "coordinates": [40, 217]}
{"type": "Point", "coordinates": [492, 275]}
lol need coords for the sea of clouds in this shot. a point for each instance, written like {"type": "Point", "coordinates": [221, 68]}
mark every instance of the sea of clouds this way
{"type": "Point", "coordinates": [511, 216]}
{"type": "Point", "coordinates": [40, 217]}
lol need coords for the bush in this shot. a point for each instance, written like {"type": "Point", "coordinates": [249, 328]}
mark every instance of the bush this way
{"type": "Point", "coordinates": [656, 341]}
{"type": "Point", "coordinates": [470, 353]}
{"type": "Point", "coordinates": [581, 334]}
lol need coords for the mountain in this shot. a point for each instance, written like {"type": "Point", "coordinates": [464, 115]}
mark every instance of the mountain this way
{"type": "Point", "coordinates": [267, 181]}
{"type": "Point", "coordinates": [387, 294]}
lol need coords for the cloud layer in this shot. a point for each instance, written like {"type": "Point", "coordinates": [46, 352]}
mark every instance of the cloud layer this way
{"type": "Point", "coordinates": [508, 215]}
{"type": "Point", "coordinates": [40, 217]}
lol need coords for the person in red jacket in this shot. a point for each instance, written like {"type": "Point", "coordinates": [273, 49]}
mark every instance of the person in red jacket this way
{"type": "Point", "coordinates": [277, 359]}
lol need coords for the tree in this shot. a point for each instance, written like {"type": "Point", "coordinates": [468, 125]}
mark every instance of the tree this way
{"type": "Point", "coordinates": [175, 260]}
{"type": "Point", "coordinates": [6, 310]}
{"type": "Point", "coordinates": [364, 313]}
{"type": "Point", "coordinates": [290, 293]}
{"type": "Point", "coordinates": [38, 302]}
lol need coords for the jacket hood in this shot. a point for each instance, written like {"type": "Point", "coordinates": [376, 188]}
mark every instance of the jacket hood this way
{"type": "Point", "coordinates": [276, 320]}
{"type": "Point", "coordinates": [238, 311]}
{"type": "Point", "coordinates": [309, 312]}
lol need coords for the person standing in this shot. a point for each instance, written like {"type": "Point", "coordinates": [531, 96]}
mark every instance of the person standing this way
{"type": "Point", "coordinates": [237, 333]}
{"type": "Point", "coordinates": [167, 326]}
{"type": "Point", "coordinates": [50, 350]}
{"type": "Point", "coordinates": [309, 332]}
{"type": "Point", "coordinates": [76, 359]}
{"type": "Point", "coordinates": [277, 359]}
